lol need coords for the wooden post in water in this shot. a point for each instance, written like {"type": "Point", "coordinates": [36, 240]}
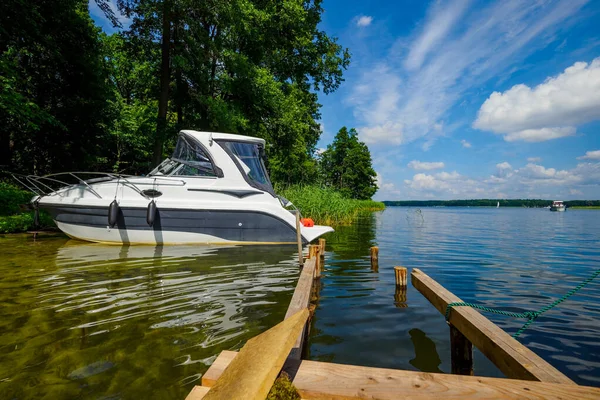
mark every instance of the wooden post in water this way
{"type": "Point", "coordinates": [299, 238]}
{"type": "Point", "coordinates": [375, 258]}
{"type": "Point", "coordinates": [461, 350]}
{"type": "Point", "coordinates": [313, 252]}
{"type": "Point", "coordinates": [400, 276]}
{"type": "Point", "coordinates": [322, 254]}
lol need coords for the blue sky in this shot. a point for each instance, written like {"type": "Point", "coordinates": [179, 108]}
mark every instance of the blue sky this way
{"type": "Point", "coordinates": [470, 98]}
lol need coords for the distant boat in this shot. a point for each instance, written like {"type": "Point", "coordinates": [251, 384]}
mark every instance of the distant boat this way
{"type": "Point", "coordinates": [498, 205]}
{"type": "Point", "coordinates": [558, 205]}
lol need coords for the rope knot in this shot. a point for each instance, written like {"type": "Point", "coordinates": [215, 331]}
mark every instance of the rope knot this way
{"type": "Point", "coordinates": [531, 315]}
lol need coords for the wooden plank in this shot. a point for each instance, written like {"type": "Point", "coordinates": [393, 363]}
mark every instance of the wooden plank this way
{"type": "Point", "coordinates": [197, 393]}
{"type": "Point", "coordinates": [301, 301]}
{"type": "Point", "coordinates": [319, 380]}
{"type": "Point", "coordinates": [217, 367]}
{"type": "Point", "coordinates": [250, 375]}
{"type": "Point", "coordinates": [510, 356]}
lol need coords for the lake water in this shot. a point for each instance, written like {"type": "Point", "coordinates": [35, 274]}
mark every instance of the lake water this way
{"type": "Point", "coordinates": [512, 258]}
{"type": "Point", "coordinates": [90, 321]}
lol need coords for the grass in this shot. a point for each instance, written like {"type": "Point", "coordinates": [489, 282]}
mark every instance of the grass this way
{"type": "Point", "coordinates": [326, 206]}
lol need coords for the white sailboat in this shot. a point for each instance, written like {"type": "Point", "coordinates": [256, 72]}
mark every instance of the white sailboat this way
{"type": "Point", "coordinates": [498, 205]}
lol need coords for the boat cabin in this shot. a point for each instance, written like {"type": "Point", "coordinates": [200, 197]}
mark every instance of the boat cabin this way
{"type": "Point", "coordinates": [218, 155]}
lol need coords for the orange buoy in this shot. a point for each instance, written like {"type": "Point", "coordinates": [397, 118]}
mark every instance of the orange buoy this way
{"type": "Point", "coordinates": [307, 222]}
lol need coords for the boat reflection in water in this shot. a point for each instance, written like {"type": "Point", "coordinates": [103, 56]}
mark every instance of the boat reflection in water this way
{"type": "Point", "coordinates": [102, 320]}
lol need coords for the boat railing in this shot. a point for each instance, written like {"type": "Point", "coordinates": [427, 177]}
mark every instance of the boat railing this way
{"type": "Point", "coordinates": [55, 184]}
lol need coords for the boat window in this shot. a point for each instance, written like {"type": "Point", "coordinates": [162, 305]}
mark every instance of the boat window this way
{"type": "Point", "coordinates": [249, 159]}
{"type": "Point", "coordinates": [189, 159]}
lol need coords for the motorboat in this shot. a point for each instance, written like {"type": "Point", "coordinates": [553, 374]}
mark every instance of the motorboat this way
{"type": "Point", "coordinates": [558, 205]}
{"type": "Point", "coordinates": [213, 189]}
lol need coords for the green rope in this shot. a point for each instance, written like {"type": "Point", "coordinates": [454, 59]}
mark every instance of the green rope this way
{"type": "Point", "coordinates": [530, 315]}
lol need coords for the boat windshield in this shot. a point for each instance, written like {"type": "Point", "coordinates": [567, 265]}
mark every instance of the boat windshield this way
{"type": "Point", "coordinates": [189, 159]}
{"type": "Point", "coordinates": [249, 157]}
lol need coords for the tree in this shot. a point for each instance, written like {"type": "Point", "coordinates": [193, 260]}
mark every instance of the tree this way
{"type": "Point", "coordinates": [346, 165]}
{"type": "Point", "coordinates": [130, 71]}
{"type": "Point", "coordinates": [242, 66]}
{"type": "Point", "coordinates": [53, 89]}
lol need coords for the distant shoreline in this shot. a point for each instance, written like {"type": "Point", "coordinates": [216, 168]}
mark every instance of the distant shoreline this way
{"type": "Point", "coordinates": [528, 203]}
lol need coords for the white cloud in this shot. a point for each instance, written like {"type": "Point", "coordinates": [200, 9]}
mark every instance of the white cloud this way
{"type": "Point", "coordinates": [387, 132]}
{"type": "Point", "coordinates": [440, 21]}
{"type": "Point", "coordinates": [534, 159]}
{"type": "Point", "coordinates": [443, 182]}
{"type": "Point", "coordinates": [364, 20]}
{"type": "Point", "coordinates": [530, 181]}
{"type": "Point", "coordinates": [426, 166]}
{"type": "Point", "coordinates": [320, 151]}
{"type": "Point", "coordinates": [550, 110]}
{"type": "Point", "coordinates": [415, 87]}
{"type": "Point", "coordinates": [590, 155]}
{"type": "Point", "coordinates": [466, 144]}
{"type": "Point", "coordinates": [540, 135]}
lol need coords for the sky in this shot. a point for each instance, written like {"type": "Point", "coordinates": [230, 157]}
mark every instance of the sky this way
{"type": "Point", "coordinates": [465, 99]}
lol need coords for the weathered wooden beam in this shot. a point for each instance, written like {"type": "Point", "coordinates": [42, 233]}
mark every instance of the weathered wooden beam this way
{"type": "Point", "coordinates": [510, 356]}
{"type": "Point", "coordinates": [252, 372]}
{"type": "Point", "coordinates": [301, 301]}
{"type": "Point", "coordinates": [320, 380]}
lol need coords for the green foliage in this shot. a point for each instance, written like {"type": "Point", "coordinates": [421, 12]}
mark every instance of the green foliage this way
{"type": "Point", "coordinates": [283, 389]}
{"type": "Point", "coordinates": [346, 166]}
{"type": "Point", "coordinates": [243, 66]}
{"type": "Point", "coordinates": [53, 91]}
{"type": "Point", "coordinates": [12, 198]}
{"type": "Point", "coordinates": [327, 206]}
{"type": "Point", "coordinates": [23, 222]}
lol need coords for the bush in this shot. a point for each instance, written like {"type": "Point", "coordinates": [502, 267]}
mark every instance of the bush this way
{"type": "Point", "coordinates": [11, 198]}
{"type": "Point", "coordinates": [24, 222]}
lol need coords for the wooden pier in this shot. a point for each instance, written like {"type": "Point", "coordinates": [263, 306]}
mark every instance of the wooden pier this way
{"type": "Point", "coordinates": [248, 376]}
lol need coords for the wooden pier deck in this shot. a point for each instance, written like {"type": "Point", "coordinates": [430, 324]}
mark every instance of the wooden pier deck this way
{"type": "Point", "coordinates": [530, 377]}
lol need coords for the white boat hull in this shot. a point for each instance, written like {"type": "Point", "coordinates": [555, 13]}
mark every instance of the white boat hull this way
{"type": "Point", "coordinates": [145, 237]}
{"type": "Point", "coordinates": [221, 200]}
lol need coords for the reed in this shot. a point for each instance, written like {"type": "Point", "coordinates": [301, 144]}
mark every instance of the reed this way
{"type": "Point", "coordinates": [326, 206]}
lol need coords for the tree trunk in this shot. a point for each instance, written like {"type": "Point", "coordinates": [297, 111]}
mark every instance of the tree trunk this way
{"type": "Point", "coordinates": [179, 88]}
{"type": "Point", "coordinates": [5, 153]}
{"type": "Point", "coordinates": [165, 80]}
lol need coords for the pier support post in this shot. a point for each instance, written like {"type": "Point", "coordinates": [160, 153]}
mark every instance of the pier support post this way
{"type": "Point", "coordinates": [375, 258]}
{"type": "Point", "coordinates": [322, 245]}
{"type": "Point", "coordinates": [299, 238]}
{"type": "Point", "coordinates": [401, 279]}
{"type": "Point", "coordinates": [461, 350]}
{"type": "Point", "coordinates": [314, 252]}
